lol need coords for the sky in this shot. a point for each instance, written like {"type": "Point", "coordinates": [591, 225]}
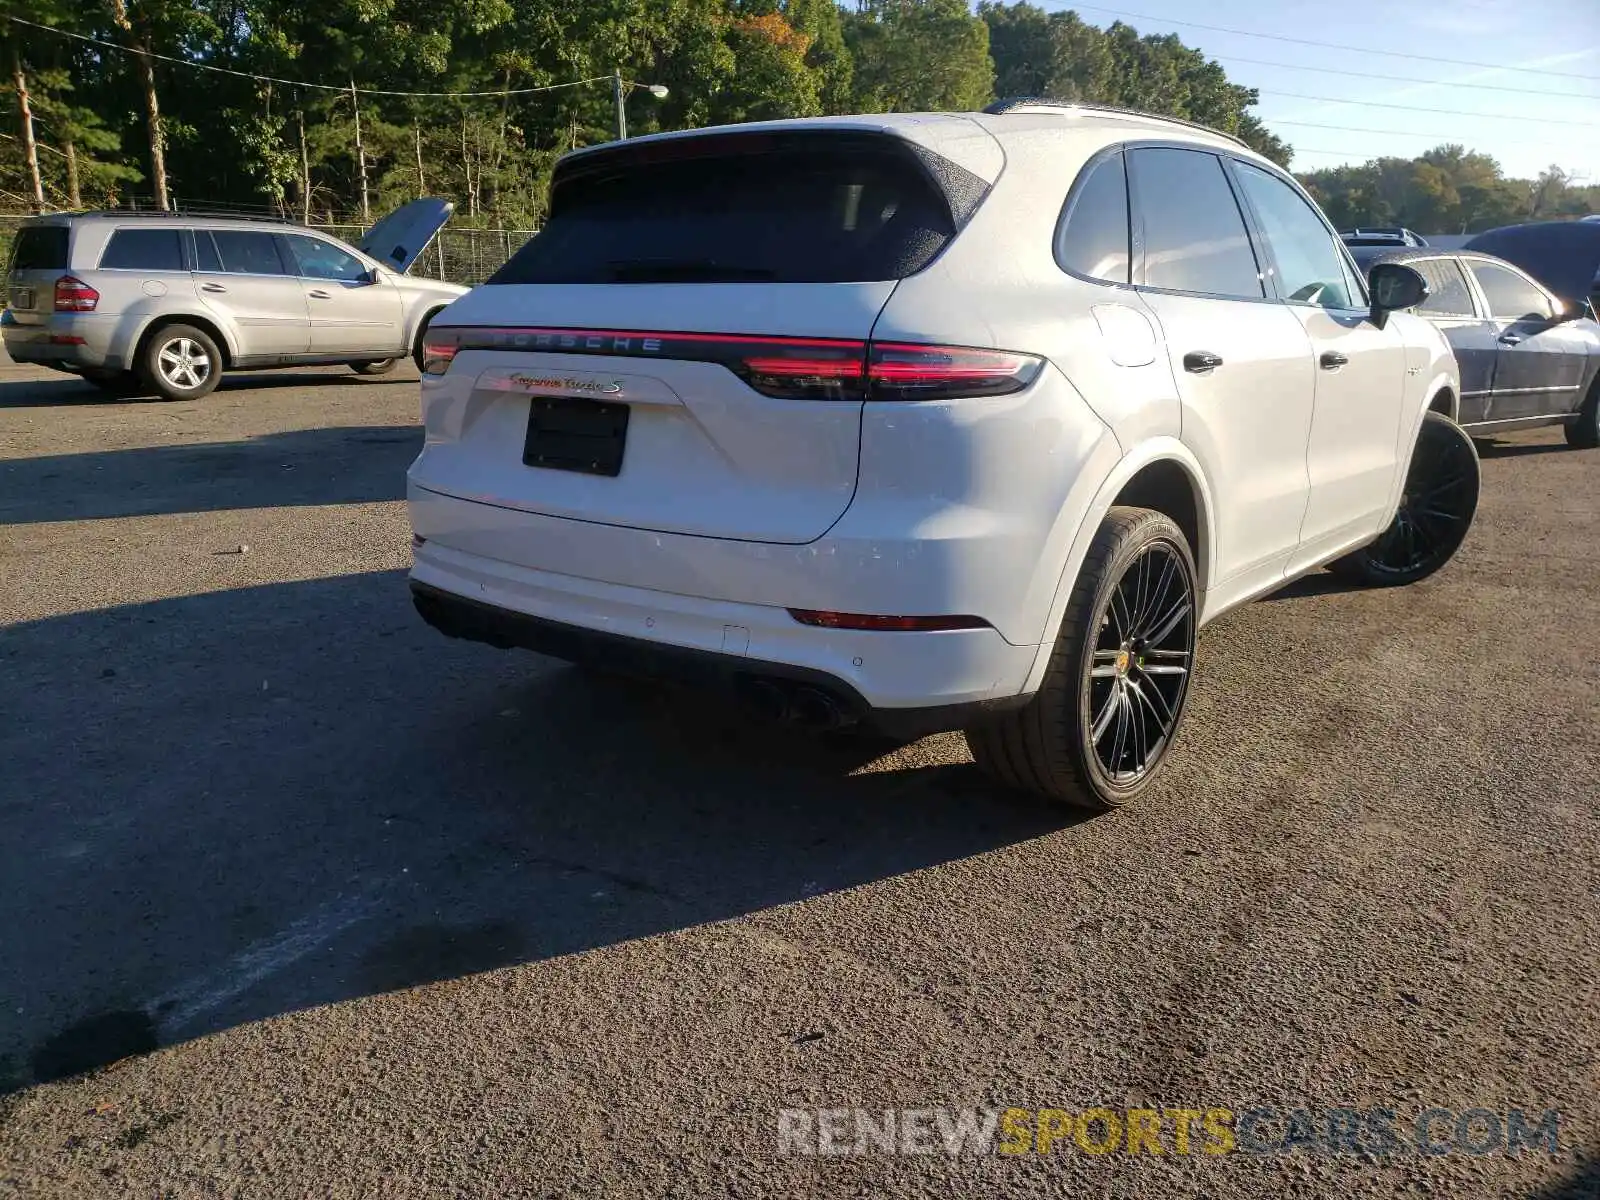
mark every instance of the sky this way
{"type": "Point", "coordinates": [1550, 47]}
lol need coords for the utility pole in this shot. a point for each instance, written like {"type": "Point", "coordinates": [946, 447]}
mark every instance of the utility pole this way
{"type": "Point", "coordinates": [30, 148]}
{"type": "Point", "coordinates": [361, 155]}
{"type": "Point", "coordinates": [616, 94]}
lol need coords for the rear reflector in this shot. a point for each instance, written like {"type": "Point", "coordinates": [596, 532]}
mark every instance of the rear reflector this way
{"type": "Point", "coordinates": [65, 339]}
{"type": "Point", "coordinates": [836, 620]}
{"type": "Point", "coordinates": [789, 368]}
{"type": "Point", "coordinates": [74, 295]}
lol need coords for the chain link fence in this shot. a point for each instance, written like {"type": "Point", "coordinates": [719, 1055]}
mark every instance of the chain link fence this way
{"type": "Point", "coordinates": [458, 255]}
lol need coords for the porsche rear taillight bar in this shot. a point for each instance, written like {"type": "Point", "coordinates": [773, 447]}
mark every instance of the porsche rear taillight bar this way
{"type": "Point", "coordinates": [799, 368]}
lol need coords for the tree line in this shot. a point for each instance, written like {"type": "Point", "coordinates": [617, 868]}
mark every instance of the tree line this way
{"type": "Point", "coordinates": [124, 112]}
{"type": "Point", "coordinates": [1450, 189]}
{"type": "Point", "coordinates": [112, 124]}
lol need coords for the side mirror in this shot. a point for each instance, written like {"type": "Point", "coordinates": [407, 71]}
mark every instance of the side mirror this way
{"type": "Point", "coordinates": [1394, 286]}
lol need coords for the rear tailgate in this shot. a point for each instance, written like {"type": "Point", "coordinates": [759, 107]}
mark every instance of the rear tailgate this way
{"type": "Point", "coordinates": [39, 257]}
{"type": "Point", "coordinates": [681, 349]}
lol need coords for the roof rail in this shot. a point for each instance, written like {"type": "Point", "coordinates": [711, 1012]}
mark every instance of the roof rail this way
{"type": "Point", "coordinates": [1013, 103]}
{"type": "Point", "coordinates": [179, 211]}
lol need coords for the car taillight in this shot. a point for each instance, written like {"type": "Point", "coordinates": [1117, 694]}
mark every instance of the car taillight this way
{"type": "Point", "coordinates": [74, 295]}
{"type": "Point", "coordinates": [903, 371]}
{"type": "Point", "coordinates": [804, 368]}
{"type": "Point", "coordinates": [787, 368]}
{"type": "Point", "coordinates": [437, 356]}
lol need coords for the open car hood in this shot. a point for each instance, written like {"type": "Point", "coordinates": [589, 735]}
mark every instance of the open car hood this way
{"type": "Point", "coordinates": [399, 239]}
{"type": "Point", "coordinates": [1562, 255]}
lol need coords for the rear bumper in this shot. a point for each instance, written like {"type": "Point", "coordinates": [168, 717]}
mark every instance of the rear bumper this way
{"type": "Point", "coordinates": [46, 344]}
{"type": "Point", "coordinates": [905, 684]}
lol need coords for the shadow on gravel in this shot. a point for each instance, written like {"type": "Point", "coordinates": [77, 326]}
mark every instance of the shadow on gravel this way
{"type": "Point", "coordinates": [337, 465]}
{"type": "Point", "coordinates": [66, 390]}
{"type": "Point", "coordinates": [226, 806]}
{"type": "Point", "coordinates": [1318, 583]}
{"type": "Point", "coordinates": [1582, 1184]}
{"type": "Point", "coordinates": [1497, 449]}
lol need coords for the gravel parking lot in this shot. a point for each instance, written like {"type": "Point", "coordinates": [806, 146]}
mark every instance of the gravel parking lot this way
{"type": "Point", "coordinates": [353, 910]}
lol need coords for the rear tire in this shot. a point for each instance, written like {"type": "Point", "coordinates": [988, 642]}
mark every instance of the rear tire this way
{"type": "Point", "coordinates": [1584, 432]}
{"type": "Point", "coordinates": [1099, 728]}
{"type": "Point", "coordinates": [1436, 511]}
{"type": "Point", "coordinates": [181, 362]}
{"type": "Point", "coordinates": [422, 329]}
{"type": "Point", "coordinates": [374, 366]}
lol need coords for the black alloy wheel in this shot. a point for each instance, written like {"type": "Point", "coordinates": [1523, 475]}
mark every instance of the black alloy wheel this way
{"type": "Point", "coordinates": [1106, 715]}
{"type": "Point", "coordinates": [1436, 510]}
{"type": "Point", "coordinates": [1138, 674]}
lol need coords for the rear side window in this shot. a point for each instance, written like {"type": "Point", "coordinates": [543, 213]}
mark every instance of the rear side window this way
{"type": "Point", "coordinates": [144, 250]}
{"type": "Point", "coordinates": [1194, 234]}
{"type": "Point", "coordinates": [1094, 237]}
{"type": "Point", "coordinates": [1510, 296]}
{"type": "Point", "coordinates": [796, 214]}
{"type": "Point", "coordinates": [1447, 288]}
{"type": "Point", "coordinates": [247, 253]}
{"type": "Point", "coordinates": [40, 248]}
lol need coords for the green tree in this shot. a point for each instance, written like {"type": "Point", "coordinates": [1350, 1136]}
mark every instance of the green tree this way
{"type": "Point", "coordinates": [918, 55]}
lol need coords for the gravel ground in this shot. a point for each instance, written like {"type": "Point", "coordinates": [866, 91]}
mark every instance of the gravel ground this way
{"type": "Point", "coordinates": [329, 905]}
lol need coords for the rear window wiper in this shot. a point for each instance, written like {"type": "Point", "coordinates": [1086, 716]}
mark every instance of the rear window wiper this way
{"type": "Point", "coordinates": [684, 270]}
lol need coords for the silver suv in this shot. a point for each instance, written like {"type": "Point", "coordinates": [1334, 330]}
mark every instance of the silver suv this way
{"type": "Point", "coordinates": [168, 302]}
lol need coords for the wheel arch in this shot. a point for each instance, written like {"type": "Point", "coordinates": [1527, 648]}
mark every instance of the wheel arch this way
{"type": "Point", "coordinates": [1162, 474]}
{"type": "Point", "coordinates": [205, 324]}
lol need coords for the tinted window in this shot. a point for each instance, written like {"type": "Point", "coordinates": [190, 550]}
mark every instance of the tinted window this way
{"type": "Point", "coordinates": [796, 215]}
{"type": "Point", "coordinates": [206, 257]}
{"type": "Point", "coordinates": [1510, 296]}
{"type": "Point", "coordinates": [1448, 295]}
{"type": "Point", "coordinates": [323, 260]}
{"type": "Point", "coordinates": [248, 253]}
{"type": "Point", "coordinates": [40, 248]}
{"type": "Point", "coordinates": [143, 250]}
{"type": "Point", "coordinates": [1305, 253]}
{"type": "Point", "coordinates": [1094, 237]}
{"type": "Point", "coordinates": [1194, 236]}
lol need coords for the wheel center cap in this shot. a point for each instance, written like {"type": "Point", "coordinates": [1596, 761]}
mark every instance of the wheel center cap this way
{"type": "Point", "coordinates": [1124, 659]}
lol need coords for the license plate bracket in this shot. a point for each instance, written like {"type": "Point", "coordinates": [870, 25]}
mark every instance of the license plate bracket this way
{"type": "Point", "coordinates": [566, 433]}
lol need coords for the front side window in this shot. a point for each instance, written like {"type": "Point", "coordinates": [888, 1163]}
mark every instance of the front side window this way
{"type": "Point", "coordinates": [1511, 297]}
{"type": "Point", "coordinates": [1309, 263]}
{"type": "Point", "coordinates": [323, 260]}
{"type": "Point", "coordinates": [245, 252]}
{"type": "Point", "coordinates": [1094, 237]}
{"type": "Point", "coordinates": [1448, 295]}
{"type": "Point", "coordinates": [144, 250]}
{"type": "Point", "coordinates": [1194, 234]}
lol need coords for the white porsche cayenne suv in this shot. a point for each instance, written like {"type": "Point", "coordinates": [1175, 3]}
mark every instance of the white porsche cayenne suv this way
{"type": "Point", "coordinates": [929, 422]}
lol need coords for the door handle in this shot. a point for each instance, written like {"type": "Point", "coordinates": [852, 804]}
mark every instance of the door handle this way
{"type": "Point", "coordinates": [1510, 339]}
{"type": "Point", "coordinates": [212, 287]}
{"type": "Point", "coordinates": [319, 294]}
{"type": "Point", "coordinates": [1332, 360]}
{"type": "Point", "coordinates": [1201, 362]}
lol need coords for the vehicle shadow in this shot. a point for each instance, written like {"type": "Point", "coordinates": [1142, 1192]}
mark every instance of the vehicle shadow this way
{"type": "Point", "coordinates": [232, 805]}
{"type": "Point", "coordinates": [330, 465]}
{"type": "Point", "coordinates": [1318, 583]}
{"type": "Point", "coordinates": [1499, 449]}
{"type": "Point", "coordinates": [1582, 1183]}
{"type": "Point", "coordinates": [61, 390]}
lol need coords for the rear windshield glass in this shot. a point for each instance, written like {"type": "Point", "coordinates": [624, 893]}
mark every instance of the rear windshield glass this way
{"type": "Point", "coordinates": [810, 215]}
{"type": "Point", "coordinates": [40, 248]}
